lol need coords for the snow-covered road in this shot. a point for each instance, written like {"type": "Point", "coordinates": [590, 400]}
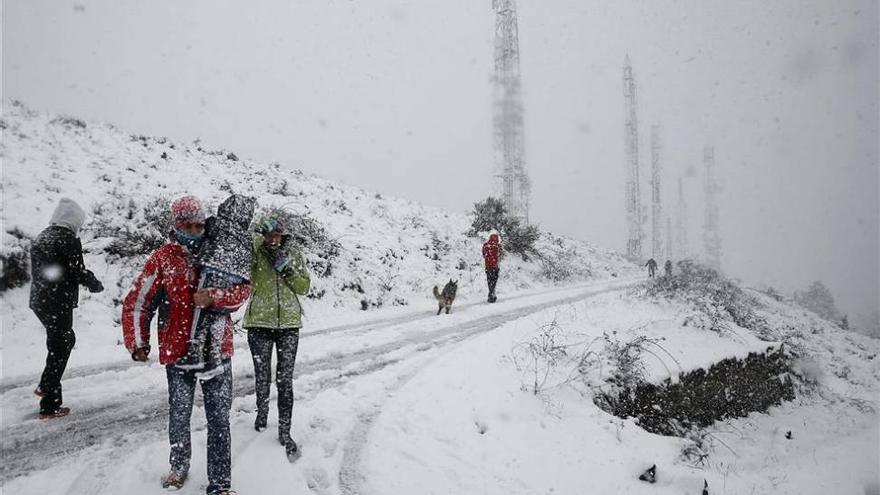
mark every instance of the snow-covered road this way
{"type": "Point", "coordinates": [114, 441]}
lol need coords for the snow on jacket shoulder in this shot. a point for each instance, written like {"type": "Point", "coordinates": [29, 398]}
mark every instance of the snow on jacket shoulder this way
{"type": "Point", "coordinates": [167, 284]}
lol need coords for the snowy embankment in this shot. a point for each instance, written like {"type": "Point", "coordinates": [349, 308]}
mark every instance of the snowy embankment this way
{"type": "Point", "coordinates": [365, 251]}
{"type": "Point", "coordinates": [471, 423]}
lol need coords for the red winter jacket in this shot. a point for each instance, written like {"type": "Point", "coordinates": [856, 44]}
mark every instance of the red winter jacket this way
{"type": "Point", "coordinates": [167, 283]}
{"type": "Point", "coordinates": [491, 252]}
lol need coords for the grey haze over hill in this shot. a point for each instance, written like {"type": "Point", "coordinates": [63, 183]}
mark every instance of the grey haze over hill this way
{"type": "Point", "coordinates": [395, 96]}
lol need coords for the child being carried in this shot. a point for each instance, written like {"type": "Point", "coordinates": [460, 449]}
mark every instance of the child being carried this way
{"type": "Point", "coordinates": [224, 261]}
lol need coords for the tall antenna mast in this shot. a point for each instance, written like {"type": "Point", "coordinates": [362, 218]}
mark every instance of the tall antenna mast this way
{"type": "Point", "coordinates": [631, 143]}
{"type": "Point", "coordinates": [681, 237]}
{"type": "Point", "coordinates": [711, 239]}
{"type": "Point", "coordinates": [656, 205]}
{"type": "Point", "coordinates": [512, 180]}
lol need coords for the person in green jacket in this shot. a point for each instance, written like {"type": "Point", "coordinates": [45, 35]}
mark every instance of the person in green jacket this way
{"type": "Point", "coordinates": [274, 317]}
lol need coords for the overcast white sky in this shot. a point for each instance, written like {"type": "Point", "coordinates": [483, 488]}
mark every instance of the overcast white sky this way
{"type": "Point", "coordinates": [395, 96]}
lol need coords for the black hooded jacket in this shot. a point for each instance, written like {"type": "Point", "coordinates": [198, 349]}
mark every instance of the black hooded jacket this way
{"type": "Point", "coordinates": [57, 270]}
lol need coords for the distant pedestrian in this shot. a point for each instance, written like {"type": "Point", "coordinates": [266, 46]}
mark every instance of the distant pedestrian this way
{"type": "Point", "coordinates": [274, 318]}
{"type": "Point", "coordinates": [57, 271]}
{"type": "Point", "coordinates": [652, 267]}
{"type": "Point", "coordinates": [668, 267]}
{"type": "Point", "coordinates": [492, 253]}
{"type": "Point", "coordinates": [168, 286]}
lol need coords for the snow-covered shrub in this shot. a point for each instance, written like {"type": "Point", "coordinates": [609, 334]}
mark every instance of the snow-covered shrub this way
{"type": "Point", "coordinates": [716, 299]}
{"type": "Point", "coordinates": [818, 299]}
{"type": "Point", "coordinates": [137, 232]}
{"type": "Point", "coordinates": [540, 356]}
{"type": "Point", "coordinates": [730, 388]}
{"type": "Point", "coordinates": [14, 260]}
{"type": "Point", "coordinates": [490, 214]}
{"type": "Point", "coordinates": [560, 261]}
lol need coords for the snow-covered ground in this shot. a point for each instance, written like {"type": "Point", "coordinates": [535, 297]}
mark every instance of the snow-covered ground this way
{"type": "Point", "coordinates": [395, 399]}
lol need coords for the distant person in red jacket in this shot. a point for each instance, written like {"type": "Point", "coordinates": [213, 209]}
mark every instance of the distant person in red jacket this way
{"type": "Point", "coordinates": [491, 254]}
{"type": "Point", "coordinates": [168, 284]}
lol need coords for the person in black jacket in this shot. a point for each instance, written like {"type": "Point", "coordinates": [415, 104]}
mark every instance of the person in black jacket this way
{"type": "Point", "coordinates": [57, 271]}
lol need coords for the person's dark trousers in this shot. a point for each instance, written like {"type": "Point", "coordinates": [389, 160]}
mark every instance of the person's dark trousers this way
{"type": "Point", "coordinates": [59, 343]}
{"type": "Point", "coordinates": [492, 279]}
{"type": "Point", "coordinates": [286, 342]}
{"type": "Point", "coordinates": [217, 393]}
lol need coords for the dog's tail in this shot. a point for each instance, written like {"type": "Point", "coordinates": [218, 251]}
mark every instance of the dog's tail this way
{"type": "Point", "coordinates": [436, 292]}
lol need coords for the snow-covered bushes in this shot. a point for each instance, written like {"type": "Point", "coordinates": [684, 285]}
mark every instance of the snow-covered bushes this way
{"type": "Point", "coordinates": [559, 260]}
{"type": "Point", "coordinates": [137, 231]}
{"type": "Point", "coordinates": [818, 299]}
{"type": "Point", "coordinates": [490, 214]}
{"type": "Point", "coordinates": [730, 388]}
{"type": "Point", "coordinates": [14, 260]}
{"type": "Point", "coordinates": [716, 299]}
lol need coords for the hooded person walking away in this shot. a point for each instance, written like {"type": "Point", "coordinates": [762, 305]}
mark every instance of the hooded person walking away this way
{"type": "Point", "coordinates": [491, 255]}
{"type": "Point", "coordinates": [168, 283]}
{"type": "Point", "coordinates": [652, 267]}
{"type": "Point", "coordinates": [57, 271]}
{"type": "Point", "coordinates": [274, 318]}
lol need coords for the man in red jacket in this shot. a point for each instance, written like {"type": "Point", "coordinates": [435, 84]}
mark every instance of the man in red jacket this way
{"type": "Point", "coordinates": [168, 284]}
{"type": "Point", "coordinates": [491, 255]}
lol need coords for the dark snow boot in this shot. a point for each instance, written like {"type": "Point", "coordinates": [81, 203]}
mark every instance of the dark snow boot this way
{"type": "Point", "coordinates": [291, 449]}
{"type": "Point", "coordinates": [58, 413]}
{"type": "Point", "coordinates": [39, 392]}
{"type": "Point", "coordinates": [650, 474]}
{"type": "Point", "coordinates": [260, 421]}
{"type": "Point", "coordinates": [174, 480]}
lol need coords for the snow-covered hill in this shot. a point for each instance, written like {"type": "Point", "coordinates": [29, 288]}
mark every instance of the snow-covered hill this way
{"type": "Point", "coordinates": [366, 250]}
{"type": "Point", "coordinates": [391, 399]}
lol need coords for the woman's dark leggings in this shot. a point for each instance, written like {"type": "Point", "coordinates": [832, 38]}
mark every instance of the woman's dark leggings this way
{"type": "Point", "coordinates": [286, 342]}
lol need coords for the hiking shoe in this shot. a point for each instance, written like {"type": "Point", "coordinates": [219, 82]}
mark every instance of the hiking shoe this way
{"type": "Point", "coordinates": [39, 392]}
{"type": "Point", "coordinates": [58, 413]}
{"type": "Point", "coordinates": [174, 480]}
{"type": "Point", "coordinates": [225, 492]}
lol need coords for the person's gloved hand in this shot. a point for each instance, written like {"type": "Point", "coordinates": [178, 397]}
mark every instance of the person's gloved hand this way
{"type": "Point", "coordinates": [92, 283]}
{"type": "Point", "coordinates": [281, 261]}
{"type": "Point", "coordinates": [141, 354]}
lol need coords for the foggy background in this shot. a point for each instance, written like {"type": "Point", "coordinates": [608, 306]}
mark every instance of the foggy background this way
{"type": "Point", "coordinates": [395, 96]}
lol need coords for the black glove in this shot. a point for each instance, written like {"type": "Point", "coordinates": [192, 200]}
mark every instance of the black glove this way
{"type": "Point", "coordinates": [92, 283]}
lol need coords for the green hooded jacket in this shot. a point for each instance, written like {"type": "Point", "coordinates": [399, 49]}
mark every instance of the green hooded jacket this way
{"type": "Point", "coordinates": [274, 302]}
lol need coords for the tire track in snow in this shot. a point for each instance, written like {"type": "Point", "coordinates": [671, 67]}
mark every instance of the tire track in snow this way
{"type": "Point", "coordinates": [351, 481]}
{"type": "Point", "coordinates": [35, 445]}
{"type": "Point", "coordinates": [85, 371]}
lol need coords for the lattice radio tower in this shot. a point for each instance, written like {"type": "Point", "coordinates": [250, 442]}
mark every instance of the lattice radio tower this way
{"type": "Point", "coordinates": [656, 203]}
{"type": "Point", "coordinates": [512, 180]}
{"type": "Point", "coordinates": [711, 239]}
{"type": "Point", "coordinates": [681, 237]}
{"type": "Point", "coordinates": [631, 143]}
